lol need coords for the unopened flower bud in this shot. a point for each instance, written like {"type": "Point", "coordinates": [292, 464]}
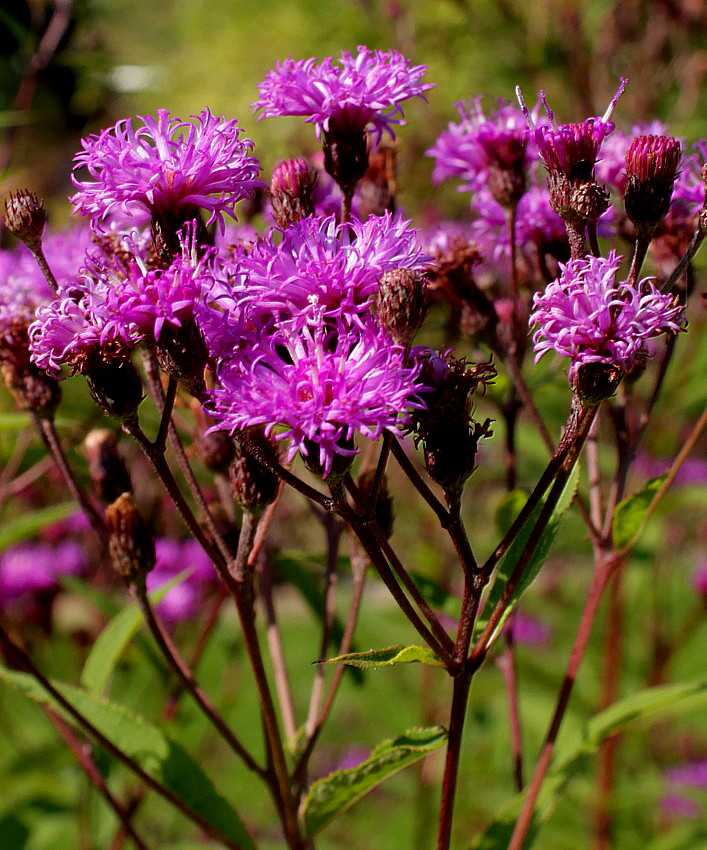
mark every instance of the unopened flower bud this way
{"type": "Point", "coordinates": [25, 217]}
{"type": "Point", "coordinates": [384, 503]}
{"type": "Point", "coordinates": [182, 354]}
{"type": "Point", "coordinates": [106, 467]}
{"type": "Point", "coordinates": [32, 389]}
{"type": "Point", "coordinates": [292, 191]}
{"type": "Point", "coordinates": [253, 485]}
{"type": "Point", "coordinates": [450, 453]}
{"type": "Point", "coordinates": [215, 450]}
{"type": "Point", "coordinates": [595, 382]}
{"type": "Point", "coordinates": [402, 304]}
{"type": "Point", "coordinates": [651, 169]}
{"type": "Point", "coordinates": [115, 385]}
{"type": "Point", "coordinates": [130, 544]}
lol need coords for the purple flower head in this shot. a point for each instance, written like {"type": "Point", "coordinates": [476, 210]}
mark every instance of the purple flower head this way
{"type": "Point", "coordinates": [468, 150]}
{"type": "Point", "coordinates": [355, 93]}
{"type": "Point", "coordinates": [586, 316]}
{"type": "Point", "coordinates": [166, 166]}
{"type": "Point", "coordinates": [336, 267]}
{"type": "Point", "coordinates": [173, 557]}
{"type": "Point", "coordinates": [691, 775]}
{"type": "Point", "coordinates": [321, 384]}
{"type": "Point", "coordinates": [571, 149]}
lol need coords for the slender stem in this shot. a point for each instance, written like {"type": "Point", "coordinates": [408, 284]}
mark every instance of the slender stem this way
{"type": "Point", "coordinates": [167, 408]}
{"type": "Point", "coordinates": [418, 481]}
{"type": "Point", "coordinates": [51, 439]}
{"type": "Point", "coordinates": [593, 239]}
{"type": "Point", "coordinates": [694, 246]}
{"type": "Point", "coordinates": [24, 662]}
{"type": "Point", "coordinates": [370, 511]}
{"type": "Point", "coordinates": [187, 678]}
{"type": "Point", "coordinates": [83, 756]}
{"type": "Point", "coordinates": [510, 410]}
{"type": "Point", "coordinates": [507, 665]}
{"type": "Point", "coordinates": [602, 574]}
{"type": "Point", "coordinates": [640, 250]}
{"type": "Point", "coordinates": [519, 383]}
{"type": "Point", "coordinates": [460, 697]}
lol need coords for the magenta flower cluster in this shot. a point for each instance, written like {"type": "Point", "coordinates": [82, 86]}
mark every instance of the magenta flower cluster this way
{"type": "Point", "coordinates": [165, 166]}
{"type": "Point", "coordinates": [359, 91]}
{"type": "Point", "coordinates": [586, 316]}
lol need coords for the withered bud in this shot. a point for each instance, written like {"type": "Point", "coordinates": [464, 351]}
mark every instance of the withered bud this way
{"type": "Point", "coordinates": [106, 467]}
{"type": "Point", "coordinates": [652, 164]}
{"type": "Point", "coordinates": [450, 453]}
{"type": "Point", "coordinates": [402, 304]}
{"type": "Point", "coordinates": [115, 385]}
{"type": "Point", "coordinates": [130, 544]}
{"type": "Point", "coordinates": [346, 151]}
{"type": "Point", "coordinates": [292, 191]}
{"type": "Point", "coordinates": [508, 177]}
{"type": "Point", "coordinates": [379, 186]}
{"type": "Point", "coordinates": [215, 450]}
{"type": "Point", "coordinates": [32, 389]}
{"type": "Point", "coordinates": [253, 485]}
{"type": "Point", "coordinates": [594, 382]}
{"type": "Point", "coordinates": [25, 217]}
{"type": "Point", "coordinates": [384, 502]}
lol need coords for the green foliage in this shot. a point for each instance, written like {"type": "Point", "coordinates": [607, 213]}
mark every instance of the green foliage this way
{"type": "Point", "coordinates": [28, 525]}
{"type": "Point", "coordinates": [332, 795]}
{"type": "Point", "coordinates": [388, 657]}
{"type": "Point", "coordinates": [630, 514]}
{"type": "Point", "coordinates": [162, 758]}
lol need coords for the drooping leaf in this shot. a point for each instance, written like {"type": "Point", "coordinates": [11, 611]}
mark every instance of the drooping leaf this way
{"type": "Point", "coordinates": [334, 794]}
{"type": "Point", "coordinates": [160, 757]}
{"type": "Point", "coordinates": [116, 637]}
{"type": "Point", "coordinates": [510, 506]}
{"type": "Point", "coordinates": [533, 566]}
{"type": "Point", "coordinates": [30, 524]}
{"type": "Point", "coordinates": [649, 704]}
{"type": "Point", "coordinates": [391, 655]}
{"type": "Point", "coordinates": [630, 513]}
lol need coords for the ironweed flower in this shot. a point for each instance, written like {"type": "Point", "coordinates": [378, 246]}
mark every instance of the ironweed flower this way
{"type": "Point", "coordinates": [356, 93]}
{"type": "Point", "coordinates": [321, 384]}
{"type": "Point", "coordinates": [166, 167]}
{"type": "Point", "coordinates": [587, 316]}
{"type": "Point", "coordinates": [182, 601]}
{"type": "Point", "coordinates": [33, 567]}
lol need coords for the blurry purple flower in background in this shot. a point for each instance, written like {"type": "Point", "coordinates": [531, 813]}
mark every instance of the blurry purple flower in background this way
{"type": "Point", "coordinates": [322, 383]}
{"type": "Point", "coordinates": [699, 578]}
{"type": "Point", "coordinates": [691, 775]}
{"type": "Point", "coordinates": [350, 94]}
{"type": "Point", "coordinates": [32, 567]}
{"type": "Point", "coordinates": [164, 167]}
{"type": "Point", "coordinates": [586, 316]}
{"type": "Point", "coordinates": [173, 557]}
{"type": "Point", "coordinates": [527, 630]}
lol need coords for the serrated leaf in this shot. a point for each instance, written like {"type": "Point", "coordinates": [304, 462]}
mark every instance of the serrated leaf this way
{"type": "Point", "coordinates": [533, 566]}
{"type": "Point", "coordinates": [398, 654]}
{"type": "Point", "coordinates": [30, 524]}
{"type": "Point", "coordinates": [334, 794]}
{"type": "Point", "coordinates": [115, 638]}
{"type": "Point", "coordinates": [164, 759]}
{"type": "Point", "coordinates": [630, 513]}
{"type": "Point", "coordinates": [649, 704]}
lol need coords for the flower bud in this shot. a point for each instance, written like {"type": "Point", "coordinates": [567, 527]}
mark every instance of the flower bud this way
{"type": "Point", "coordinates": [114, 384]}
{"type": "Point", "coordinates": [106, 467]}
{"type": "Point", "coordinates": [594, 382]}
{"type": "Point", "coordinates": [32, 389]}
{"type": "Point", "coordinates": [130, 544]}
{"type": "Point", "coordinates": [292, 191]}
{"type": "Point", "coordinates": [182, 354]}
{"type": "Point", "coordinates": [651, 168]}
{"type": "Point", "coordinates": [25, 217]}
{"type": "Point", "coordinates": [215, 450]}
{"type": "Point", "coordinates": [450, 453]}
{"type": "Point", "coordinates": [402, 304]}
{"type": "Point", "coordinates": [346, 150]}
{"type": "Point", "coordinates": [253, 485]}
{"type": "Point", "coordinates": [341, 460]}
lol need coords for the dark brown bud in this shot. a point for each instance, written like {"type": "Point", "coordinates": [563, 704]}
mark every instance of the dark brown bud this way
{"type": "Point", "coordinates": [594, 382]}
{"type": "Point", "coordinates": [215, 450]}
{"type": "Point", "coordinates": [32, 389]}
{"type": "Point", "coordinates": [450, 453]}
{"type": "Point", "coordinates": [384, 503]}
{"type": "Point", "coordinates": [182, 354]}
{"type": "Point", "coordinates": [130, 544]}
{"type": "Point", "coordinates": [292, 191]}
{"type": "Point", "coordinates": [106, 467]}
{"type": "Point", "coordinates": [508, 179]}
{"type": "Point", "coordinates": [346, 151]}
{"type": "Point", "coordinates": [25, 217]}
{"type": "Point", "coordinates": [115, 385]}
{"type": "Point", "coordinates": [253, 485]}
{"type": "Point", "coordinates": [652, 164]}
{"type": "Point", "coordinates": [402, 304]}
{"type": "Point", "coordinates": [340, 465]}
{"type": "Point", "coordinates": [377, 189]}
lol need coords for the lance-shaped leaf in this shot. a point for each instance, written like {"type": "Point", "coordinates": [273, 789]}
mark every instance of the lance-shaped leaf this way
{"type": "Point", "coordinates": [629, 515]}
{"type": "Point", "coordinates": [115, 638]}
{"type": "Point", "coordinates": [30, 524]}
{"type": "Point", "coordinates": [398, 654]}
{"type": "Point", "coordinates": [649, 704]}
{"type": "Point", "coordinates": [330, 796]}
{"type": "Point", "coordinates": [532, 568]}
{"type": "Point", "coordinates": [163, 759]}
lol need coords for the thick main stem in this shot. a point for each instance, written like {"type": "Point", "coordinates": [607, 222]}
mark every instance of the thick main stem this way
{"type": "Point", "coordinates": [457, 716]}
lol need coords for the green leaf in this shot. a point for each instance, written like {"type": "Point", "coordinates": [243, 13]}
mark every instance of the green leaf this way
{"type": "Point", "coordinates": [398, 654]}
{"type": "Point", "coordinates": [158, 755]}
{"type": "Point", "coordinates": [30, 524]}
{"type": "Point", "coordinates": [511, 505]}
{"type": "Point", "coordinates": [332, 795]}
{"type": "Point", "coordinates": [649, 704]}
{"type": "Point", "coordinates": [630, 514]}
{"type": "Point", "coordinates": [10, 422]}
{"type": "Point", "coordinates": [515, 551]}
{"type": "Point", "coordinates": [115, 638]}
